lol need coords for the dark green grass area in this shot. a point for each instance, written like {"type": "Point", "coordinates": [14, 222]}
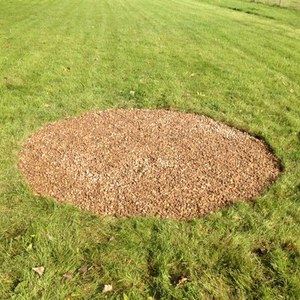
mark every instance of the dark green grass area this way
{"type": "Point", "coordinates": [60, 58]}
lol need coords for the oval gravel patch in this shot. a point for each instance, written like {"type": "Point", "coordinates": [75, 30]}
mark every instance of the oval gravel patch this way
{"type": "Point", "coordinates": [146, 162]}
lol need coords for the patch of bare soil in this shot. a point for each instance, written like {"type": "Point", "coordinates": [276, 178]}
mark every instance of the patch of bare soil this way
{"type": "Point", "coordinates": [146, 162]}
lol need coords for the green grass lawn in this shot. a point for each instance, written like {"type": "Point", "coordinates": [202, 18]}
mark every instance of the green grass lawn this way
{"type": "Point", "coordinates": [281, 3]}
{"type": "Point", "coordinates": [235, 61]}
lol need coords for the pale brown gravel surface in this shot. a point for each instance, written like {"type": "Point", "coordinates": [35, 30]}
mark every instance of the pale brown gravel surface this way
{"type": "Point", "coordinates": [146, 162]}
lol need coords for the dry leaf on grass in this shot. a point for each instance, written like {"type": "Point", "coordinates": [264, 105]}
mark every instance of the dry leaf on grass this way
{"type": "Point", "coordinates": [83, 269]}
{"type": "Point", "coordinates": [181, 280]}
{"type": "Point", "coordinates": [68, 275]}
{"type": "Point", "coordinates": [39, 270]}
{"type": "Point", "coordinates": [107, 288]}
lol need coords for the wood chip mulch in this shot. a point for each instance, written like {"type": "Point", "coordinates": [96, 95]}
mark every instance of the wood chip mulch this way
{"type": "Point", "coordinates": [147, 163]}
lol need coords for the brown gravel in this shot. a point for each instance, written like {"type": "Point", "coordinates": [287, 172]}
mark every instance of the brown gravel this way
{"type": "Point", "coordinates": [146, 162]}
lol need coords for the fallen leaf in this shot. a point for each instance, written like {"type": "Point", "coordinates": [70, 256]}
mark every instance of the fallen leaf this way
{"type": "Point", "coordinates": [83, 269]}
{"type": "Point", "coordinates": [95, 266]}
{"type": "Point", "coordinates": [68, 275]}
{"type": "Point", "coordinates": [181, 280]}
{"type": "Point", "coordinates": [39, 270]}
{"type": "Point", "coordinates": [67, 69]}
{"type": "Point", "coordinates": [107, 288]}
{"type": "Point", "coordinates": [193, 74]}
